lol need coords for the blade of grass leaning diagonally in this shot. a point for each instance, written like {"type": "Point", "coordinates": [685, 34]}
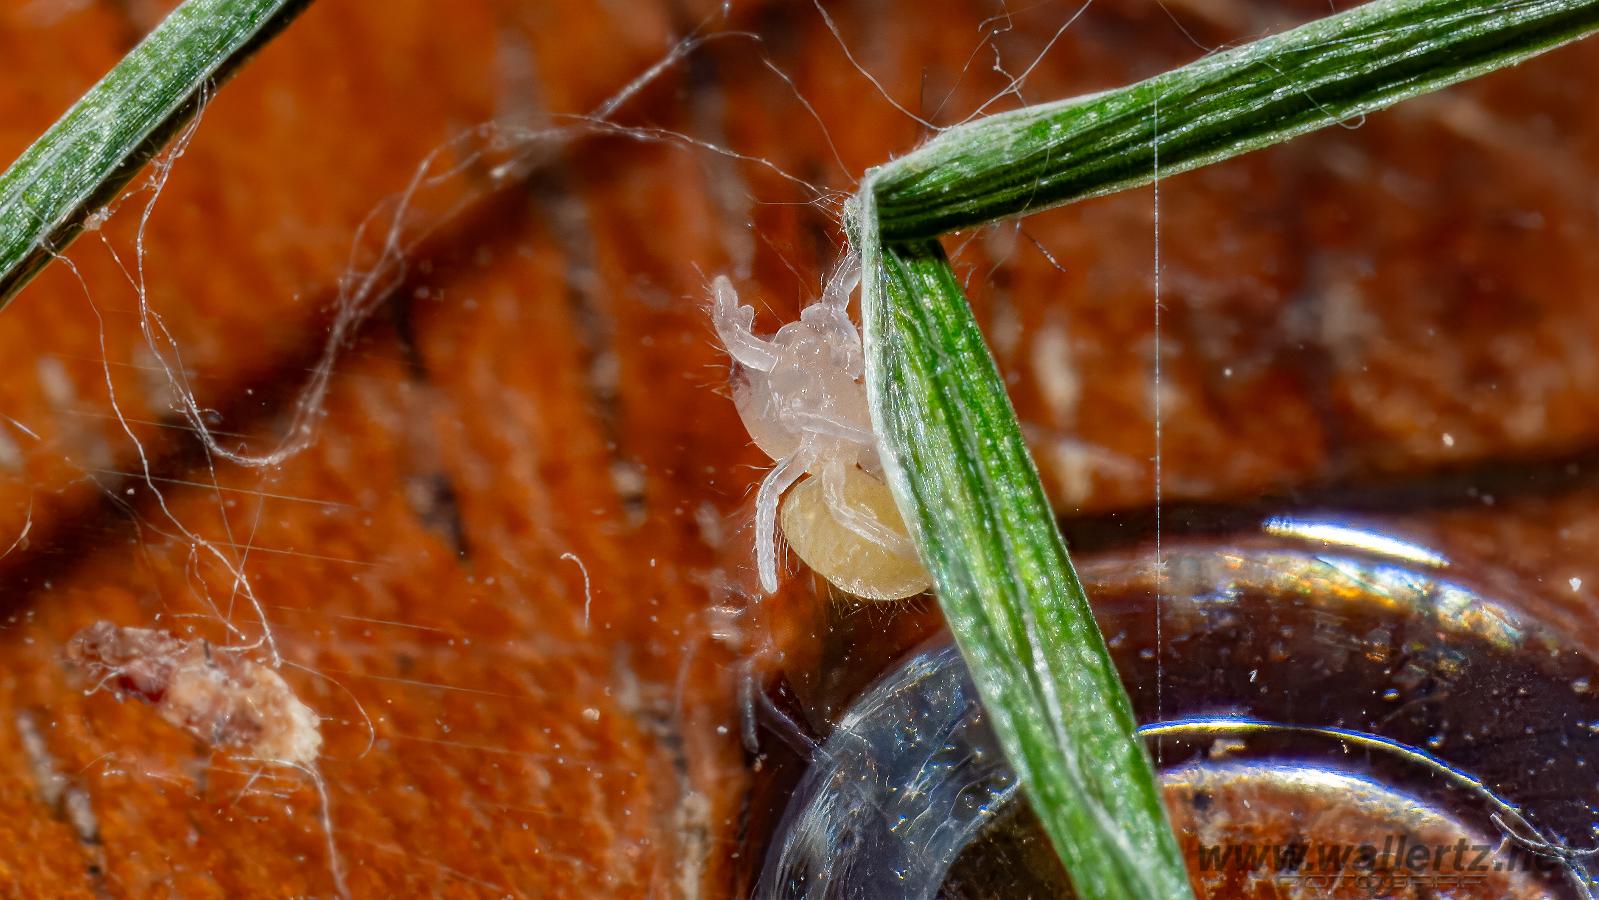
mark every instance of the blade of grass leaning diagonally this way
{"type": "Point", "coordinates": [951, 446]}
{"type": "Point", "coordinates": [81, 162]}
{"type": "Point", "coordinates": [1331, 70]}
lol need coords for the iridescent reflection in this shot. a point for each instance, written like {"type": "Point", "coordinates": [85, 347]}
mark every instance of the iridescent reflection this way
{"type": "Point", "coordinates": [1329, 691]}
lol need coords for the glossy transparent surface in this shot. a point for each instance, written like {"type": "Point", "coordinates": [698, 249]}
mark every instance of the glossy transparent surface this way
{"type": "Point", "coordinates": [1324, 695]}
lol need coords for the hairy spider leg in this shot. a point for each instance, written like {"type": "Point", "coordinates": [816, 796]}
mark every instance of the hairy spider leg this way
{"type": "Point", "coordinates": [862, 522]}
{"type": "Point", "coordinates": [735, 326]}
{"type": "Point", "coordinates": [781, 478]}
{"type": "Point", "coordinates": [850, 437]}
{"type": "Point", "coordinates": [842, 283]}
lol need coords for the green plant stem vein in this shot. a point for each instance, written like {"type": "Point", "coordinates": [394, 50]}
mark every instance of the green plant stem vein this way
{"type": "Point", "coordinates": [957, 464]}
{"type": "Point", "coordinates": [91, 151]}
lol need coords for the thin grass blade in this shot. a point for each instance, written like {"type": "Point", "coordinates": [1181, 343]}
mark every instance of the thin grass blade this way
{"type": "Point", "coordinates": [955, 459]}
{"type": "Point", "coordinates": [91, 151]}
{"type": "Point", "coordinates": [1331, 70]}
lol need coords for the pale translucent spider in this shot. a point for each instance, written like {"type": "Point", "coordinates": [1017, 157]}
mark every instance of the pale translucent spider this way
{"type": "Point", "coordinates": [802, 400]}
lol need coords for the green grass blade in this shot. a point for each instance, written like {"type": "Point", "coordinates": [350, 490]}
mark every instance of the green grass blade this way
{"type": "Point", "coordinates": [1328, 71]}
{"type": "Point", "coordinates": [955, 459]}
{"type": "Point", "coordinates": [951, 446]}
{"type": "Point", "coordinates": [92, 151]}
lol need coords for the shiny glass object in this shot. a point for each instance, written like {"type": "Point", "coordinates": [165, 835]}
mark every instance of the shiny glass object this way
{"type": "Point", "coordinates": [1333, 712]}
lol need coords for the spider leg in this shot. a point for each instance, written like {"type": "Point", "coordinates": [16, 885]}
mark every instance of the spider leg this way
{"type": "Point", "coordinates": [783, 475]}
{"type": "Point", "coordinates": [832, 425]}
{"type": "Point", "coordinates": [842, 282]}
{"type": "Point", "coordinates": [734, 325]}
{"type": "Point", "coordinates": [830, 314]}
{"type": "Point", "coordinates": [861, 521]}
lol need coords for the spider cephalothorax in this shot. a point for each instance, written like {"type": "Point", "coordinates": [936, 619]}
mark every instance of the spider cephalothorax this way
{"type": "Point", "coordinates": [800, 395]}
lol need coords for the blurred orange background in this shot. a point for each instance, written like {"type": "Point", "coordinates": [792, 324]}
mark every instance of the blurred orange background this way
{"type": "Point", "coordinates": [1391, 315]}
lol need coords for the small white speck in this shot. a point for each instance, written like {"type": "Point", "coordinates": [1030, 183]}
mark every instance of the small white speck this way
{"type": "Point", "coordinates": [1576, 584]}
{"type": "Point", "coordinates": [1252, 674]}
{"type": "Point", "coordinates": [591, 714]}
{"type": "Point", "coordinates": [1449, 439]}
{"type": "Point", "coordinates": [1227, 372]}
